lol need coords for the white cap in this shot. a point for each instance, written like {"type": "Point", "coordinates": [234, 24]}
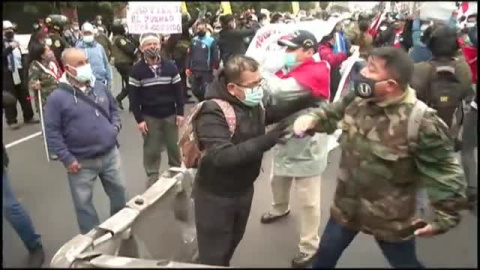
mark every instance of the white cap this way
{"type": "Point", "coordinates": [7, 24]}
{"type": "Point", "coordinates": [87, 27]}
{"type": "Point", "coordinates": [148, 36]}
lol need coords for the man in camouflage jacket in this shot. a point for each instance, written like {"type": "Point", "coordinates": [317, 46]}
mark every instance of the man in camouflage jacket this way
{"type": "Point", "coordinates": [380, 172]}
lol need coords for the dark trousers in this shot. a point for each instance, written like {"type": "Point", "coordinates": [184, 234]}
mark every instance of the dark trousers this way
{"type": "Point", "coordinates": [336, 239]}
{"type": "Point", "coordinates": [124, 69]}
{"type": "Point", "coordinates": [220, 223]}
{"type": "Point", "coordinates": [21, 93]}
{"type": "Point", "coordinates": [201, 79]}
{"type": "Point", "coordinates": [183, 77]}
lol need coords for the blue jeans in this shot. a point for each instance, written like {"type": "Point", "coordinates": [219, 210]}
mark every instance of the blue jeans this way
{"type": "Point", "coordinates": [107, 168]}
{"type": "Point", "coordinates": [18, 217]}
{"type": "Point", "coordinates": [336, 239]}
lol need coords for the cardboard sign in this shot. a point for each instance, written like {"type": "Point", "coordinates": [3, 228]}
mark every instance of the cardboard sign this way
{"type": "Point", "coordinates": [437, 11]}
{"type": "Point", "coordinates": [154, 17]}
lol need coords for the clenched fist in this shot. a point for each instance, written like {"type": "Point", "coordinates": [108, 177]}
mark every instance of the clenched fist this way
{"type": "Point", "coordinates": [303, 124]}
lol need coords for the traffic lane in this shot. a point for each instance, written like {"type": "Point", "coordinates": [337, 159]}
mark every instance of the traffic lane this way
{"type": "Point", "coordinates": [271, 245]}
{"type": "Point", "coordinates": [43, 189]}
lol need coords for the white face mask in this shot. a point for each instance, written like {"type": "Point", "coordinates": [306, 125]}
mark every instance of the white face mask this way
{"type": "Point", "coordinates": [48, 42]}
{"type": "Point", "coordinates": [88, 39]}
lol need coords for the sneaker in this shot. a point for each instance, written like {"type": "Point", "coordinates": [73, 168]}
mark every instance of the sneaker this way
{"type": "Point", "coordinates": [36, 258]}
{"type": "Point", "coordinates": [15, 126]}
{"type": "Point", "coordinates": [32, 121]}
{"type": "Point", "coordinates": [119, 104]}
{"type": "Point", "coordinates": [269, 217]}
{"type": "Point", "coordinates": [302, 260]}
{"type": "Point", "coordinates": [53, 157]}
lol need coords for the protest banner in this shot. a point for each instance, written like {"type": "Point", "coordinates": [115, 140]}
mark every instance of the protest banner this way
{"type": "Point", "coordinates": [227, 9]}
{"type": "Point", "coordinates": [154, 17]}
{"type": "Point", "coordinates": [270, 55]}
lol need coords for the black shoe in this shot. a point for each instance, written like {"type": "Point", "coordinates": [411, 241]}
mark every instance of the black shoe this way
{"type": "Point", "coordinates": [119, 104]}
{"type": "Point", "coordinates": [14, 126]}
{"type": "Point", "coordinates": [302, 260]}
{"type": "Point", "coordinates": [36, 258]}
{"type": "Point", "coordinates": [32, 121]}
{"type": "Point", "coordinates": [269, 217]}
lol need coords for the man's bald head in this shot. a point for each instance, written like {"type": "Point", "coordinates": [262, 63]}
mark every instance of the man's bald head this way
{"type": "Point", "coordinates": [74, 57]}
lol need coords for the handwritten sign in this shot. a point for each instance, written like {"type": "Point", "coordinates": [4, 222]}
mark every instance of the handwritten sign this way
{"type": "Point", "coordinates": [154, 17]}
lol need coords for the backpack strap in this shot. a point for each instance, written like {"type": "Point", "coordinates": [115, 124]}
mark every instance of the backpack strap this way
{"type": "Point", "coordinates": [414, 122]}
{"type": "Point", "coordinates": [229, 114]}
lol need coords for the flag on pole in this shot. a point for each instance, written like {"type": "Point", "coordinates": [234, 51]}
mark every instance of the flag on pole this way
{"type": "Point", "coordinates": [184, 7]}
{"type": "Point", "coordinates": [227, 9]}
{"type": "Point", "coordinates": [295, 7]}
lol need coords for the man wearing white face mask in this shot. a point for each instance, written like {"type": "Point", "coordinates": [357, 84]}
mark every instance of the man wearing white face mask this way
{"type": "Point", "coordinates": [82, 124]}
{"type": "Point", "coordinates": [96, 55]}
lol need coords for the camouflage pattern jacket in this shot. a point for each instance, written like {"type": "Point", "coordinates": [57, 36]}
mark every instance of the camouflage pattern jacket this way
{"type": "Point", "coordinates": [379, 175]}
{"type": "Point", "coordinates": [48, 81]}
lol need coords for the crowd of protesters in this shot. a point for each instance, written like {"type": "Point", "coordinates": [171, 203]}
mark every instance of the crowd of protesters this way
{"type": "Point", "coordinates": [407, 68]}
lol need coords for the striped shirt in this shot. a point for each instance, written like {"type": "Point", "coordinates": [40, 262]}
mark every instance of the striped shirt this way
{"type": "Point", "coordinates": [155, 91]}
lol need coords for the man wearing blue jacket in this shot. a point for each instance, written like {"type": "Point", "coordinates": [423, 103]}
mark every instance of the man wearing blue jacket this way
{"type": "Point", "coordinates": [96, 55]}
{"type": "Point", "coordinates": [202, 59]}
{"type": "Point", "coordinates": [82, 124]}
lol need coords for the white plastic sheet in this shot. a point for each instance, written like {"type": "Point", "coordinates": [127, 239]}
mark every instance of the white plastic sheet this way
{"type": "Point", "coordinates": [437, 11]}
{"type": "Point", "coordinates": [269, 54]}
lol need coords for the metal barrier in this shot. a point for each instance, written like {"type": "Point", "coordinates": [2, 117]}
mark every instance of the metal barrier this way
{"type": "Point", "coordinates": [154, 230]}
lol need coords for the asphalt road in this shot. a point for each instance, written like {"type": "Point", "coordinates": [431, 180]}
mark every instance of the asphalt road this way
{"type": "Point", "coordinates": [43, 189]}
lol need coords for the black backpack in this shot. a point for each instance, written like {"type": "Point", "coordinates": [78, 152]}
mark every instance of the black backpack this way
{"type": "Point", "coordinates": [444, 94]}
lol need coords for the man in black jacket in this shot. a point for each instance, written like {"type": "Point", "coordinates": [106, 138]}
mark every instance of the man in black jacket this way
{"type": "Point", "coordinates": [223, 188]}
{"type": "Point", "coordinates": [177, 46]}
{"type": "Point", "coordinates": [14, 78]}
{"type": "Point", "coordinates": [231, 40]}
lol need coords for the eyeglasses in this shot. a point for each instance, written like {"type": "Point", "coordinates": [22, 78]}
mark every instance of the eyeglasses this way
{"type": "Point", "coordinates": [261, 83]}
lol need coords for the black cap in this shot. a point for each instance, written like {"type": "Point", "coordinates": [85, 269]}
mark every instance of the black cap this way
{"type": "Point", "coordinates": [299, 39]}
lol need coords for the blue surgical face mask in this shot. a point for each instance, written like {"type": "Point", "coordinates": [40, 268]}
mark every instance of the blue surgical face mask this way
{"type": "Point", "coordinates": [290, 60]}
{"type": "Point", "coordinates": [253, 96]}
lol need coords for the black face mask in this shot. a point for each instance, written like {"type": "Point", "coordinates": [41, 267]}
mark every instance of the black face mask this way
{"type": "Point", "coordinates": [201, 33]}
{"type": "Point", "coordinates": [364, 86]}
{"type": "Point", "coordinates": [9, 34]}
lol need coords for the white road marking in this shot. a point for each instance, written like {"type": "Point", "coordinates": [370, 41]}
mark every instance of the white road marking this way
{"type": "Point", "coordinates": [23, 139]}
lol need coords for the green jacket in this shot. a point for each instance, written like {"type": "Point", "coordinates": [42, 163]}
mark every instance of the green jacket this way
{"type": "Point", "coordinates": [47, 80]}
{"type": "Point", "coordinates": [301, 157]}
{"type": "Point", "coordinates": [123, 50]}
{"type": "Point", "coordinates": [103, 40]}
{"type": "Point", "coordinates": [380, 176]}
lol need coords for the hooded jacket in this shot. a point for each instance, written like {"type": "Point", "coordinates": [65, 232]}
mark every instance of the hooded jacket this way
{"type": "Point", "coordinates": [231, 164]}
{"type": "Point", "coordinates": [75, 129]}
{"type": "Point", "coordinates": [98, 60]}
